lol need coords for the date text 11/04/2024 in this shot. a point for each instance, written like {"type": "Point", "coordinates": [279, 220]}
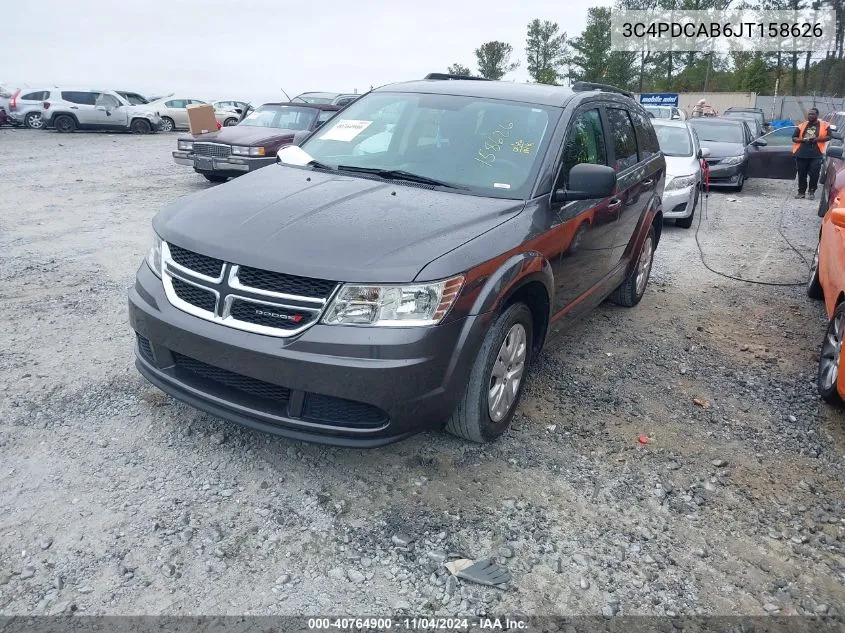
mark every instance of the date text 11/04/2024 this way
{"type": "Point", "coordinates": [416, 624]}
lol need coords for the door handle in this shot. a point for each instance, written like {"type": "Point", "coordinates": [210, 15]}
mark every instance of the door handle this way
{"type": "Point", "coordinates": [615, 203]}
{"type": "Point", "coordinates": [74, 107]}
{"type": "Point", "coordinates": [648, 182]}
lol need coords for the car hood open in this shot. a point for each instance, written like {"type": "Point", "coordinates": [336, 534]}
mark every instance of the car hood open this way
{"type": "Point", "coordinates": [327, 225]}
{"type": "Point", "coordinates": [243, 135]}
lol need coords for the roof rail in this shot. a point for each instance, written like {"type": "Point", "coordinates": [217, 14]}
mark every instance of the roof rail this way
{"type": "Point", "coordinates": [446, 76]}
{"type": "Point", "coordinates": [582, 86]}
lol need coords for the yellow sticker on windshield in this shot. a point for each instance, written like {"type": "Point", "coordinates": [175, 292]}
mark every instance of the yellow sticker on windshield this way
{"type": "Point", "coordinates": [346, 130]}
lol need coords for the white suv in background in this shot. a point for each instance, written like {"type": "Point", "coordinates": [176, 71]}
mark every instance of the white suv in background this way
{"type": "Point", "coordinates": [70, 110]}
{"type": "Point", "coordinates": [25, 107]}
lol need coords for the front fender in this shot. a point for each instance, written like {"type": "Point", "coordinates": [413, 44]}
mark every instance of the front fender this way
{"type": "Point", "coordinates": [515, 272]}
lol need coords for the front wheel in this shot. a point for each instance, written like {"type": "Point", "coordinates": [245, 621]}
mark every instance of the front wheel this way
{"type": "Point", "coordinates": [141, 126]}
{"type": "Point", "coordinates": [822, 203]}
{"type": "Point", "coordinates": [230, 122]}
{"type": "Point", "coordinates": [167, 124]}
{"type": "Point", "coordinates": [631, 290]}
{"type": "Point", "coordinates": [740, 183]}
{"type": "Point", "coordinates": [686, 223]}
{"type": "Point", "coordinates": [831, 356]}
{"type": "Point", "coordinates": [495, 384]}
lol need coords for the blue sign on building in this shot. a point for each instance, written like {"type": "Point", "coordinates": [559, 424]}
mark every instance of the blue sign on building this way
{"type": "Point", "coordinates": [659, 98]}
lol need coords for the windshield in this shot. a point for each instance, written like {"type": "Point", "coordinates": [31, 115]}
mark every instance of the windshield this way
{"type": "Point", "coordinates": [659, 113]}
{"type": "Point", "coordinates": [490, 147]}
{"type": "Point", "coordinates": [282, 117]}
{"type": "Point", "coordinates": [719, 133]}
{"type": "Point", "coordinates": [135, 99]}
{"type": "Point", "coordinates": [674, 141]}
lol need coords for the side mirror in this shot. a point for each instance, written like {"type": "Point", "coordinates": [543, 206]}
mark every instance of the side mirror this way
{"type": "Point", "coordinates": [760, 142]}
{"type": "Point", "coordinates": [837, 216]}
{"type": "Point", "coordinates": [834, 151]}
{"type": "Point", "coordinates": [587, 182]}
{"type": "Point", "coordinates": [704, 152]}
{"type": "Point", "coordinates": [833, 128]}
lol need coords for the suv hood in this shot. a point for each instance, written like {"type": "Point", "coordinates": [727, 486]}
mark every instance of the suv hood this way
{"type": "Point", "coordinates": [329, 226]}
{"type": "Point", "coordinates": [244, 135]}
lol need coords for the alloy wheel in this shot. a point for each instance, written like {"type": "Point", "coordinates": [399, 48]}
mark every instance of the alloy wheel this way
{"type": "Point", "coordinates": [35, 121]}
{"type": "Point", "coordinates": [644, 265]}
{"type": "Point", "coordinates": [506, 374]}
{"type": "Point", "coordinates": [831, 351]}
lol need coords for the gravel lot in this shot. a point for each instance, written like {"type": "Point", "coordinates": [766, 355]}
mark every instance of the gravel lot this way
{"type": "Point", "coordinates": [116, 499]}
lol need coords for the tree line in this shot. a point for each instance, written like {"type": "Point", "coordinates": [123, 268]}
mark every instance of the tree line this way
{"type": "Point", "coordinates": [553, 57]}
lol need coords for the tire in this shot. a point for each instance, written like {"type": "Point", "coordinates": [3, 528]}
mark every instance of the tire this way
{"type": "Point", "coordinates": [141, 126]}
{"type": "Point", "coordinates": [814, 287]}
{"type": "Point", "coordinates": [629, 293]}
{"type": "Point", "coordinates": [740, 184]}
{"type": "Point", "coordinates": [33, 121]}
{"type": "Point", "coordinates": [167, 124]}
{"type": "Point", "coordinates": [230, 122]}
{"type": "Point", "coordinates": [686, 223]}
{"type": "Point", "coordinates": [473, 418]}
{"type": "Point", "coordinates": [64, 123]}
{"type": "Point", "coordinates": [830, 357]}
{"type": "Point", "coordinates": [215, 177]}
{"type": "Point", "coordinates": [823, 203]}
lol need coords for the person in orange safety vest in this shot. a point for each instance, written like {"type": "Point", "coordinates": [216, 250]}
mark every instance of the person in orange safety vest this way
{"type": "Point", "coordinates": [808, 149]}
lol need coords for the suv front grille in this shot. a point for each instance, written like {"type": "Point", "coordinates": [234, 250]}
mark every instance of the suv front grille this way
{"type": "Point", "coordinates": [286, 284]}
{"type": "Point", "coordinates": [212, 149]}
{"type": "Point", "coordinates": [202, 264]}
{"type": "Point", "coordinates": [251, 299]}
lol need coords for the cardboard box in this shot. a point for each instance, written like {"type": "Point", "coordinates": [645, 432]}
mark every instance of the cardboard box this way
{"type": "Point", "coordinates": [201, 118]}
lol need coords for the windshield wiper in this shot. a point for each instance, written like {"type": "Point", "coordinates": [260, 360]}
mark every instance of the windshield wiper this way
{"type": "Point", "coordinates": [318, 165]}
{"type": "Point", "coordinates": [398, 174]}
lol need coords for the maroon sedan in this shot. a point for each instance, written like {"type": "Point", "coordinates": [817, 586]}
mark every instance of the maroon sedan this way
{"type": "Point", "coordinates": [252, 143]}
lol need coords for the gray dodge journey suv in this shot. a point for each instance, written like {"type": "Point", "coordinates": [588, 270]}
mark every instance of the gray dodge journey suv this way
{"type": "Point", "coordinates": [401, 268]}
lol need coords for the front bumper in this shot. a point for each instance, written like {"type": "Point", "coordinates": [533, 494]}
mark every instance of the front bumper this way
{"type": "Point", "coordinates": [210, 165]}
{"type": "Point", "coordinates": [678, 203]}
{"type": "Point", "coordinates": [725, 175]}
{"type": "Point", "coordinates": [412, 377]}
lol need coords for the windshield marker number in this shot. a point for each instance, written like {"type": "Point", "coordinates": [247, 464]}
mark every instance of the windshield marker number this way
{"type": "Point", "coordinates": [493, 143]}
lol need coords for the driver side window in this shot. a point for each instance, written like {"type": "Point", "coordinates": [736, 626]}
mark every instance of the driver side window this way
{"type": "Point", "coordinates": [106, 101]}
{"type": "Point", "coordinates": [584, 144]}
{"type": "Point", "coordinates": [781, 137]}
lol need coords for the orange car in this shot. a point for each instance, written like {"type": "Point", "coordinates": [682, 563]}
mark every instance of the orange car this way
{"type": "Point", "coordinates": [827, 280]}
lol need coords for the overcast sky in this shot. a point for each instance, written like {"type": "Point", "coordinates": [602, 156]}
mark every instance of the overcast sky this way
{"type": "Point", "coordinates": [249, 49]}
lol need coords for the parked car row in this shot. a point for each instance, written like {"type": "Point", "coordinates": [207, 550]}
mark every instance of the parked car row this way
{"type": "Point", "coordinates": [67, 109]}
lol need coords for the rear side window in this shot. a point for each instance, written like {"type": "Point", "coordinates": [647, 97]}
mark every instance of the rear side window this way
{"type": "Point", "coordinates": [175, 103]}
{"type": "Point", "coordinates": [83, 98]}
{"type": "Point", "coordinates": [584, 144]}
{"type": "Point", "coordinates": [646, 136]}
{"type": "Point", "coordinates": [36, 96]}
{"type": "Point", "coordinates": [624, 138]}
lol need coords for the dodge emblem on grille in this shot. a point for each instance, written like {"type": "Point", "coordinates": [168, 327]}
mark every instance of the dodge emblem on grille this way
{"type": "Point", "coordinates": [296, 318]}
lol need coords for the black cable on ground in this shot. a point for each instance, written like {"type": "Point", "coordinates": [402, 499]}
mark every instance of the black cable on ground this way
{"type": "Point", "coordinates": [703, 199]}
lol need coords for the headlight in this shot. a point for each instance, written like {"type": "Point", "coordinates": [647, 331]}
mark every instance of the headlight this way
{"type": "Point", "coordinates": [733, 160]}
{"type": "Point", "coordinates": [185, 145]}
{"type": "Point", "coordinates": [681, 182]}
{"type": "Point", "coordinates": [154, 255]}
{"type": "Point", "coordinates": [413, 304]}
{"type": "Point", "coordinates": [239, 150]}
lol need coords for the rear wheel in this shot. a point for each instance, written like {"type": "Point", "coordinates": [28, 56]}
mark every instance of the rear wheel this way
{"type": "Point", "coordinates": [215, 177]}
{"type": "Point", "coordinates": [495, 384]}
{"type": "Point", "coordinates": [814, 287]}
{"type": "Point", "coordinates": [167, 124]}
{"type": "Point", "coordinates": [631, 290]}
{"type": "Point", "coordinates": [34, 121]}
{"type": "Point", "coordinates": [230, 122]}
{"type": "Point", "coordinates": [831, 357]}
{"type": "Point", "coordinates": [141, 126]}
{"type": "Point", "coordinates": [64, 123]}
